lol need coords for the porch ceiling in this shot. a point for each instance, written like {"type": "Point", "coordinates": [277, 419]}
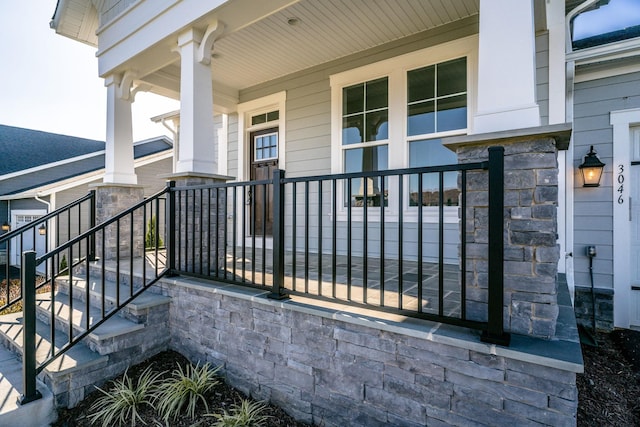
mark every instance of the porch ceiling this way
{"type": "Point", "coordinates": [323, 30]}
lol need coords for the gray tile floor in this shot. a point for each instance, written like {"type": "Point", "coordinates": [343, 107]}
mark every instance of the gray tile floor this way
{"type": "Point", "coordinates": [315, 275]}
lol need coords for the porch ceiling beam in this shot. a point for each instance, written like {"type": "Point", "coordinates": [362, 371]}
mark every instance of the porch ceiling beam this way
{"type": "Point", "coordinates": [147, 22]}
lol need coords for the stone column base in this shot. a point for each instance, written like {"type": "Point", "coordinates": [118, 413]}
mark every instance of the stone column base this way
{"type": "Point", "coordinates": [111, 199]}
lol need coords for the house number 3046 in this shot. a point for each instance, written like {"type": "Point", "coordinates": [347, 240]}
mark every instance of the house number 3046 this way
{"type": "Point", "coordinates": [620, 183]}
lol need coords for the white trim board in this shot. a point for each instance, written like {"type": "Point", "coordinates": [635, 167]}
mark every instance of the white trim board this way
{"type": "Point", "coordinates": [621, 121]}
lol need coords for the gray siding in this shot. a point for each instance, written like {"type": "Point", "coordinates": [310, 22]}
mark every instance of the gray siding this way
{"type": "Point", "coordinates": [593, 207]}
{"type": "Point", "coordinates": [542, 76]}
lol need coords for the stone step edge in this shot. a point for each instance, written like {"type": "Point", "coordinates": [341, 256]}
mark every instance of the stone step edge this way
{"type": "Point", "coordinates": [141, 302]}
{"type": "Point", "coordinates": [97, 335]}
{"type": "Point", "coordinates": [94, 360]}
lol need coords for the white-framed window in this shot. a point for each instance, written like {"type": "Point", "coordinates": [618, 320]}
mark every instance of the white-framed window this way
{"type": "Point", "coordinates": [393, 114]}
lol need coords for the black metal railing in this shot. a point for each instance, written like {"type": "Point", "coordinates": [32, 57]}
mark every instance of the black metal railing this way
{"type": "Point", "coordinates": [390, 240]}
{"type": "Point", "coordinates": [40, 235]}
{"type": "Point", "coordinates": [126, 257]}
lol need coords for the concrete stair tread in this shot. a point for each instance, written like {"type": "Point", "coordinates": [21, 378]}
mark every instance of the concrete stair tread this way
{"type": "Point", "coordinates": [114, 326]}
{"type": "Point", "coordinates": [78, 357]}
{"type": "Point", "coordinates": [145, 300]}
{"type": "Point", "coordinates": [37, 413]}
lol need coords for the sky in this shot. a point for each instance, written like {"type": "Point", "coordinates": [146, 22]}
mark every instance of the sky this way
{"type": "Point", "coordinates": [51, 83]}
{"type": "Point", "coordinates": [617, 15]}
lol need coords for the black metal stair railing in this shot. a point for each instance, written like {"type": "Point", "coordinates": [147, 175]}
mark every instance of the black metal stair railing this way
{"type": "Point", "coordinates": [129, 248]}
{"type": "Point", "coordinates": [51, 230]}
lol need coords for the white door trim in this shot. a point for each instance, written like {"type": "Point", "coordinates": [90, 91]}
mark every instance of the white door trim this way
{"type": "Point", "coordinates": [621, 121]}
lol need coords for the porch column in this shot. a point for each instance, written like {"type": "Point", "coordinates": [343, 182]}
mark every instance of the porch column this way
{"type": "Point", "coordinates": [119, 167]}
{"type": "Point", "coordinates": [196, 150]}
{"type": "Point", "coordinates": [506, 67]}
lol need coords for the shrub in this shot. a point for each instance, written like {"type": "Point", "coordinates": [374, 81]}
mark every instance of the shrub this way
{"type": "Point", "coordinates": [246, 414]}
{"type": "Point", "coordinates": [63, 263]}
{"type": "Point", "coordinates": [150, 237]}
{"type": "Point", "coordinates": [185, 388]}
{"type": "Point", "coordinates": [124, 399]}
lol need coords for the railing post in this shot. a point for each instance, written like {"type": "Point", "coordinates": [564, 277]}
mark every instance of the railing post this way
{"type": "Point", "coordinates": [278, 236]}
{"type": "Point", "coordinates": [170, 229]}
{"type": "Point", "coordinates": [92, 223]}
{"type": "Point", "coordinates": [30, 392]}
{"type": "Point", "coordinates": [495, 333]}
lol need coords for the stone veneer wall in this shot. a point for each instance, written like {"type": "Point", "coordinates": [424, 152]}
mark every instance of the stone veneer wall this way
{"type": "Point", "coordinates": [530, 249]}
{"type": "Point", "coordinates": [332, 368]}
{"type": "Point", "coordinates": [111, 200]}
{"type": "Point", "coordinates": [603, 307]}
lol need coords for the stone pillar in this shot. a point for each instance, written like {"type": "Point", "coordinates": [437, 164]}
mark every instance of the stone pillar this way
{"type": "Point", "coordinates": [506, 67]}
{"type": "Point", "coordinates": [531, 251]}
{"type": "Point", "coordinates": [200, 223]}
{"type": "Point", "coordinates": [119, 167]}
{"type": "Point", "coordinates": [110, 200]}
{"type": "Point", "coordinates": [196, 150]}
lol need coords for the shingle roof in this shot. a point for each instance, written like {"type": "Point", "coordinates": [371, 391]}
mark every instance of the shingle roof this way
{"type": "Point", "coordinates": [22, 149]}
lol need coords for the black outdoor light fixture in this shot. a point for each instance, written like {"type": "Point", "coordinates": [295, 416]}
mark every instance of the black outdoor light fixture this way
{"type": "Point", "coordinates": [42, 230]}
{"type": "Point", "coordinates": [6, 226]}
{"type": "Point", "coordinates": [591, 169]}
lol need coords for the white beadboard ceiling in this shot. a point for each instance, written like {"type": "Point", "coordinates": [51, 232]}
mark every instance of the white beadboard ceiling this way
{"type": "Point", "coordinates": [326, 30]}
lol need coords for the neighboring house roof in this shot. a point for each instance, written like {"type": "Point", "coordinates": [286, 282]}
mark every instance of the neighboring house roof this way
{"type": "Point", "coordinates": [32, 159]}
{"type": "Point", "coordinates": [25, 148]}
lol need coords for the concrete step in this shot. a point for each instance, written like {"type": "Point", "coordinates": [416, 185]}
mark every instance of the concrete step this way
{"type": "Point", "coordinates": [38, 413]}
{"type": "Point", "coordinates": [76, 315]}
{"type": "Point", "coordinates": [79, 356]}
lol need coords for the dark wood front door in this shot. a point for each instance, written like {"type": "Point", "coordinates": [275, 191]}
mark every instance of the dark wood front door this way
{"type": "Point", "coordinates": [264, 160]}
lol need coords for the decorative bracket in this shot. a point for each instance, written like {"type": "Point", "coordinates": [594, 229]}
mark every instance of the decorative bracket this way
{"type": "Point", "coordinates": [213, 33]}
{"type": "Point", "coordinates": [125, 88]}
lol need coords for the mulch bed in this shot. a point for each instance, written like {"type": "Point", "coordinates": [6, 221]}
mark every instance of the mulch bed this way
{"type": "Point", "coordinates": [608, 390]}
{"type": "Point", "coordinates": [221, 397]}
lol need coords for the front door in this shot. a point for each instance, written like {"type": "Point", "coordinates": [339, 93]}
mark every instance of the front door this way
{"type": "Point", "coordinates": [264, 160]}
{"type": "Point", "coordinates": [634, 213]}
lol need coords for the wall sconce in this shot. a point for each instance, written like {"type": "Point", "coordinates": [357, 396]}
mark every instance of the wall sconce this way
{"type": "Point", "coordinates": [42, 230]}
{"type": "Point", "coordinates": [591, 169]}
{"type": "Point", "coordinates": [6, 226]}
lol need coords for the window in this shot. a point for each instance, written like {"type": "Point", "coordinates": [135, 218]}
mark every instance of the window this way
{"type": "Point", "coordinates": [265, 117]}
{"type": "Point", "coordinates": [394, 114]}
{"type": "Point", "coordinates": [365, 112]}
{"type": "Point", "coordinates": [365, 117]}
{"type": "Point", "coordinates": [436, 103]}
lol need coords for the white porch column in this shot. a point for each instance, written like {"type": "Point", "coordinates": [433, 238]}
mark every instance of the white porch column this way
{"type": "Point", "coordinates": [506, 67]}
{"type": "Point", "coordinates": [197, 133]}
{"type": "Point", "coordinates": [119, 167]}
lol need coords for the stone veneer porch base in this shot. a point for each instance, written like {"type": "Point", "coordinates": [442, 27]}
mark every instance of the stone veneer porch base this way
{"type": "Point", "coordinates": [329, 366]}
